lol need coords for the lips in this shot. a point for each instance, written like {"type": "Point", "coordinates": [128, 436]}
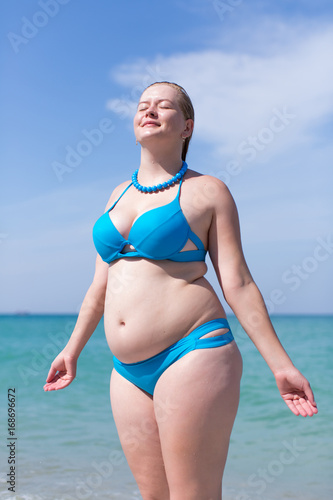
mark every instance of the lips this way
{"type": "Point", "coordinates": [150, 123]}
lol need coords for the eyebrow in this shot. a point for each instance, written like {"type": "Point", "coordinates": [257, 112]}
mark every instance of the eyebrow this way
{"type": "Point", "coordinates": [159, 100]}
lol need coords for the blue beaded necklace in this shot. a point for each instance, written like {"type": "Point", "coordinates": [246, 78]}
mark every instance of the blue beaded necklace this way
{"type": "Point", "coordinates": [170, 182]}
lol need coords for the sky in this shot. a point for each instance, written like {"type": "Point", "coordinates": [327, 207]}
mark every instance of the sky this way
{"type": "Point", "coordinates": [260, 76]}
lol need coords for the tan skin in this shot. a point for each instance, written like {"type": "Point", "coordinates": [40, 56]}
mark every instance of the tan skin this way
{"type": "Point", "coordinates": [176, 441]}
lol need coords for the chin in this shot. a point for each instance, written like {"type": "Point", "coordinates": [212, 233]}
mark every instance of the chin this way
{"type": "Point", "coordinates": [148, 137]}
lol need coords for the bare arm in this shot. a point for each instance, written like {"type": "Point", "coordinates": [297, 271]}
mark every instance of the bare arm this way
{"type": "Point", "coordinates": [245, 299]}
{"type": "Point", "coordinates": [63, 368]}
{"type": "Point", "coordinates": [91, 311]}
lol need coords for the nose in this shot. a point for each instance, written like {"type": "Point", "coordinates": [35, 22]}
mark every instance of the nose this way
{"type": "Point", "coordinates": [151, 111]}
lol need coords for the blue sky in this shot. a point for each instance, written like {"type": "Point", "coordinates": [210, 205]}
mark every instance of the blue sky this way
{"type": "Point", "coordinates": [260, 76]}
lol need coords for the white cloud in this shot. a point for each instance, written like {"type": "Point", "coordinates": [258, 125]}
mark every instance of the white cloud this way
{"type": "Point", "coordinates": [235, 94]}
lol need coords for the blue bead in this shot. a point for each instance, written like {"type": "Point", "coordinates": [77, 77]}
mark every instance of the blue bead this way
{"type": "Point", "coordinates": [170, 182]}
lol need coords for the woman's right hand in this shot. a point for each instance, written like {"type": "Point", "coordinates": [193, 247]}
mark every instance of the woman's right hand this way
{"type": "Point", "coordinates": [62, 372]}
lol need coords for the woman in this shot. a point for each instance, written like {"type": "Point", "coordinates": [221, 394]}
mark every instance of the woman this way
{"type": "Point", "coordinates": [177, 369]}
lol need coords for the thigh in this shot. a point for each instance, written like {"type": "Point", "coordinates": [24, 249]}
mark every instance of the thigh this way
{"type": "Point", "coordinates": [204, 391]}
{"type": "Point", "coordinates": [134, 414]}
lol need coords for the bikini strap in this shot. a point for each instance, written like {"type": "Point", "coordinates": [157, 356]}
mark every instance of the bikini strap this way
{"type": "Point", "coordinates": [196, 240]}
{"type": "Point", "coordinates": [180, 183]}
{"type": "Point", "coordinates": [122, 194]}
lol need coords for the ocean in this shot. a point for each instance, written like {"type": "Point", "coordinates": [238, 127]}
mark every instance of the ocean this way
{"type": "Point", "coordinates": [65, 445]}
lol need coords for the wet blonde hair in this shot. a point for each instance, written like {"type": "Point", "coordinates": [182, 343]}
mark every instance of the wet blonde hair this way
{"type": "Point", "coordinates": [185, 105]}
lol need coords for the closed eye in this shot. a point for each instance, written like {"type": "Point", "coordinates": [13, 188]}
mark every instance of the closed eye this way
{"type": "Point", "coordinates": [163, 103]}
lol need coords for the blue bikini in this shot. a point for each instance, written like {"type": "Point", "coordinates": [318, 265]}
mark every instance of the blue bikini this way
{"type": "Point", "coordinates": [158, 234]}
{"type": "Point", "coordinates": [145, 374]}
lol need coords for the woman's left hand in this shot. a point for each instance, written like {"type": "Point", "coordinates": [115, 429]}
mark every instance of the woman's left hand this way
{"type": "Point", "coordinates": [296, 392]}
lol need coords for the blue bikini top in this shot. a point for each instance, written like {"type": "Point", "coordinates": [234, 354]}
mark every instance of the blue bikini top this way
{"type": "Point", "coordinates": [159, 234]}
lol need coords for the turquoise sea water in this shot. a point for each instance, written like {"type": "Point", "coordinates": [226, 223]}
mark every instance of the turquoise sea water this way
{"type": "Point", "coordinates": [67, 446]}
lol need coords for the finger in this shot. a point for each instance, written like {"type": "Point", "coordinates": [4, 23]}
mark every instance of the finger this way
{"type": "Point", "coordinates": [302, 407]}
{"type": "Point", "coordinates": [309, 408]}
{"type": "Point", "coordinates": [52, 386]}
{"type": "Point", "coordinates": [58, 383]}
{"type": "Point", "coordinates": [49, 386]}
{"type": "Point", "coordinates": [314, 409]}
{"type": "Point", "coordinates": [309, 394]}
{"type": "Point", "coordinates": [51, 374]}
{"type": "Point", "coordinates": [305, 407]}
{"type": "Point", "coordinates": [292, 407]}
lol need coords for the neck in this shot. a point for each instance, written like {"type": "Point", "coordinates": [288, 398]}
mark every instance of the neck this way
{"type": "Point", "coordinates": [155, 166]}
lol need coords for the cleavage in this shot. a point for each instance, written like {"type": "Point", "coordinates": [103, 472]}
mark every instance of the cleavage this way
{"type": "Point", "coordinates": [119, 219]}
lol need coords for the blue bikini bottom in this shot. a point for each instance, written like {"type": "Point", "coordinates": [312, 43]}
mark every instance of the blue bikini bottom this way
{"type": "Point", "coordinates": [145, 374]}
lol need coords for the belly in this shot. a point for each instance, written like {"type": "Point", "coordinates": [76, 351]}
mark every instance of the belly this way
{"type": "Point", "coordinates": [149, 305]}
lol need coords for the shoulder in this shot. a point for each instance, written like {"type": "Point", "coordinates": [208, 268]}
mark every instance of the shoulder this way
{"type": "Point", "coordinates": [213, 192]}
{"type": "Point", "coordinates": [116, 193]}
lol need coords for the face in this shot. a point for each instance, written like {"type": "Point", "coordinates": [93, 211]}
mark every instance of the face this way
{"type": "Point", "coordinates": [159, 115]}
